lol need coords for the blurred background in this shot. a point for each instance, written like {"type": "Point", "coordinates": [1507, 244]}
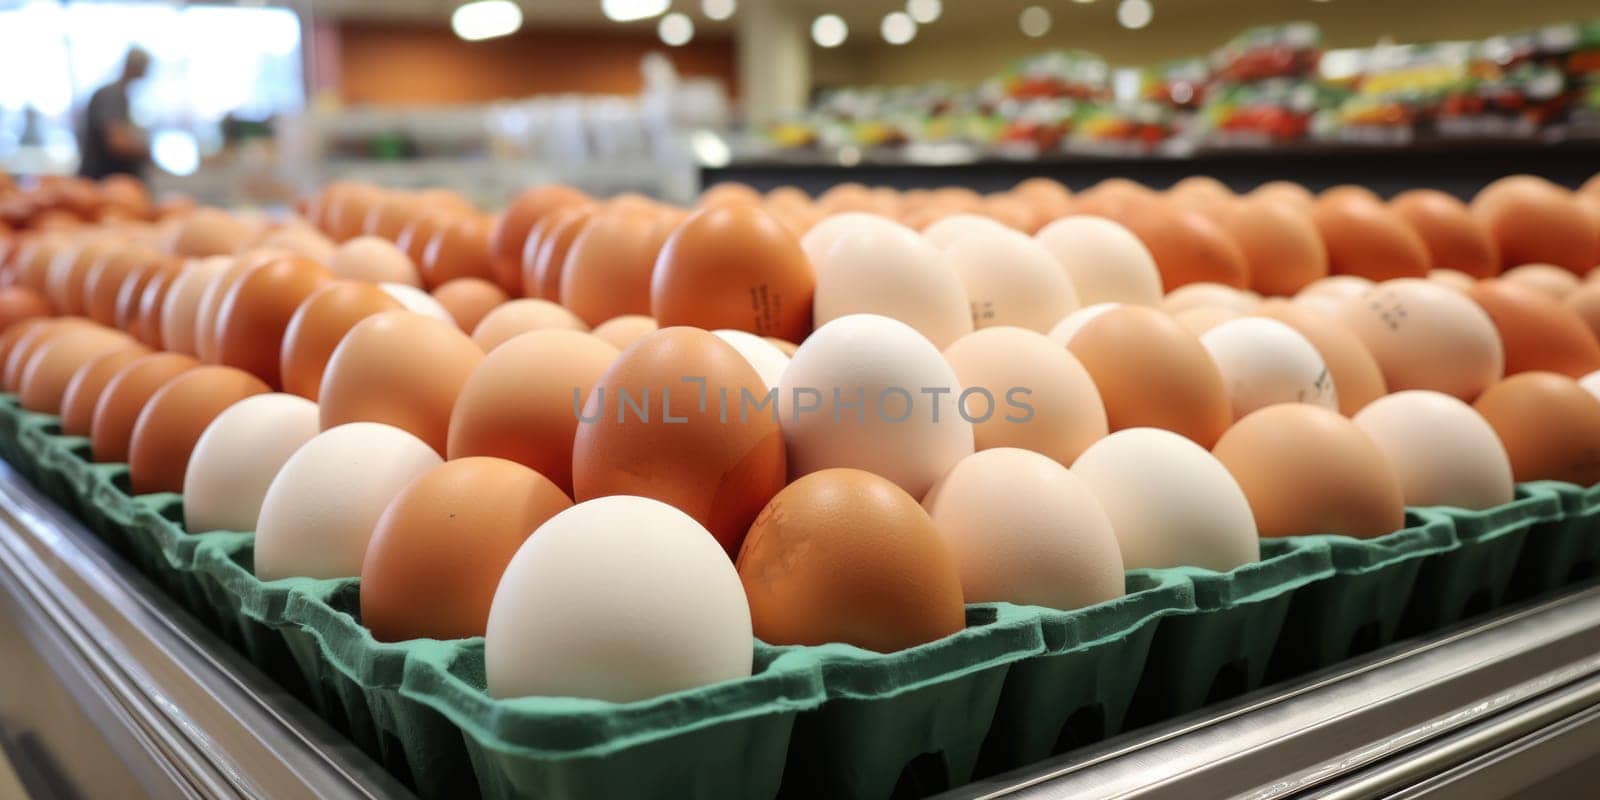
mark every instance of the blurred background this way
{"type": "Point", "coordinates": [248, 103]}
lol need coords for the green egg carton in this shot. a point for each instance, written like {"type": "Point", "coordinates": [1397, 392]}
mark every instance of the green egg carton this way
{"type": "Point", "coordinates": [1561, 551]}
{"type": "Point", "coordinates": [1473, 577]}
{"type": "Point", "coordinates": [35, 439]}
{"type": "Point", "coordinates": [1222, 647]}
{"type": "Point", "coordinates": [1359, 607]}
{"type": "Point", "coordinates": [1079, 689]}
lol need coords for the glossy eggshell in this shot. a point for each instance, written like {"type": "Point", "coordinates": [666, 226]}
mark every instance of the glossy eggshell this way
{"type": "Point", "coordinates": [1454, 237]}
{"type": "Point", "coordinates": [521, 401]}
{"type": "Point", "coordinates": [369, 258]}
{"type": "Point", "coordinates": [1104, 261]}
{"type": "Point", "coordinates": [458, 250]}
{"type": "Point", "coordinates": [1308, 470]}
{"type": "Point", "coordinates": [1188, 246]}
{"type": "Point", "coordinates": [417, 301]}
{"type": "Point", "coordinates": [256, 312]}
{"type": "Point", "coordinates": [607, 271]}
{"type": "Point", "coordinates": [437, 553]}
{"type": "Point", "coordinates": [181, 309]}
{"type": "Point", "coordinates": [317, 326]}
{"type": "Point", "coordinates": [1282, 247]}
{"type": "Point", "coordinates": [210, 302]}
{"type": "Point", "coordinates": [718, 468]}
{"type": "Point", "coordinates": [102, 287]}
{"type": "Point", "coordinates": [89, 382]}
{"type": "Point", "coordinates": [388, 217]}
{"type": "Point", "coordinates": [1365, 238]}
{"type": "Point", "coordinates": [1153, 373]}
{"type": "Point", "coordinates": [545, 254]}
{"type": "Point", "coordinates": [238, 455]}
{"type": "Point", "coordinates": [1357, 378]}
{"type": "Point", "coordinates": [52, 364]}
{"type": "Point", "coordinates": [1427, 336]}
{"type": "Point", "coordinates": [21, 350]}
{"type": "Point", "coordinates": [398, 368]}
{"type": "Point", "coordinates": [125, 397]}
{"type": "Point", "coordinates": [469, 300]}
{"type": "Point", "coordinates": [1443, 451]}
{"type": "Point", "coordinates": [842, 555]}
{"type": "Point", "coordinates": [1549, 425]}
{"type": "Point", "coordinates": [733, 266]}
{"type": "Point", "coordinates": [69, 271]}
{"type": "Point", "coordinates": [414, 240]}
{"type": "Point", "coordinates": [18, 303]}
{"type": "Point", "coordinates": [511, 229]}
{"type": "Point", "coordinates": [763, 356]}
{"type": "Point", "coordinates": [521, 316]}
{"type": "Point", "coordinates": [21, 333]}
{"type": "Point", "coordinates": [172, 421]}
{"type": "Point", "coordinates": [145, 319]}
{"type": "Point", "coordinates": [1064, 412]}
{"type": "Point", "coordinates": [1535, 222]}
{"type": "Point", "coordinates": [1538, 332]}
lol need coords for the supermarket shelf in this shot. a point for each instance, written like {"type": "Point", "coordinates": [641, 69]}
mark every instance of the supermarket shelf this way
{"type": "Point", "coordinates": [107, 689]}
{"type": "Point", "coordinates": [1510, 702]}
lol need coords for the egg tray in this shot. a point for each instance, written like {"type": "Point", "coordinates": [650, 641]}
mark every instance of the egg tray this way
{"type": "Point", "coordinates": [1017, 685]}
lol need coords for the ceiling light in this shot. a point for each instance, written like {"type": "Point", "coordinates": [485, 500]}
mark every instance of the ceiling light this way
{"type": "Point", "coordinates": [924, 12]}
{"type": "Point", "coordinates": [829, 30]}
{"type": "Point", "coordinates": [1135, 14]}
{"type": "Point", "coordinates": [718, 9]}
{"type": "Point", "coordinates": [486, 19]}
{"type": "Point", "coordinates": [1034, 21]}
{"type": "Point", "coordinates": [631, 10]}
{"type": "Point", "coordinates": [676, 29]}
{"type": "Point", "coordinates": [898, 28]}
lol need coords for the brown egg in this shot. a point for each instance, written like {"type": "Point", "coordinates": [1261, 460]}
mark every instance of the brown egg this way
{"type": "Point", "coordinates": [1287, 192]}
{"type": "Point", "coordinates": [1307, 470]}
{"type": "Point", "coordinates": [1282, 249]}
{"type": "Point", "coordinates": [509, 236]}
{"type": "Point", "coordinates": [719, 469]}
{"type": "Point", "coordinates": [256, 311]}
{"type": "Point", "coordinates": [1200, 190]}
{"type": "Point", "coordinates": [1537, 331]}
{"type": "Point", "coordinates": [33, 261]}
{"type": "Point", "coordinates": [1549, 425]}
{"type": "Point", "coordinates": [1454, 237]}
{"type": "Point", "coordinates": [1546, 278]}
{"type": "Point", "coordinates": [1589, 204]}
{"type": "Point", "coordinates": [1365, 238]}
{"type": "Point", "coordinates": [847, 196]}
{"type": "Point", "coordinates": [171, 423]}
{"type": "Point", "coordinates": [623, 331]}
{"type": "Point", "coordinates": [149, 306]}
{"type": "Point", "coordinates": [26, 345]}
{"type": "Point", "coordinates": [450, 202]}
{"type": "Point", "coordinates": [1534, 221]}
{"type": "Point", "coordinates": [420, 233]}
{"type": "Point", "coordinates": [69, 271]}
{"type": "Point", "coordinates": [1585, 302]}
{"type": "Point", "coordinates": [1200, 319]}
{"type": "Point", "coordinates": [520, 402]}
{"type": "Point", "coordinates": [368, 258]}
{"type": "Point", "coordinates": [1153, 373]}
{"type": "Point", "coordinates": [24, 331]}
{"type": "Point", "coordinates": [18, 303]}
{"type": "Point", "coordinates": [437, 553]}
{"type": "Point", "coordinates": [458, 250]}
{"type": "Point", "coordinates": [347, 208]}
{"type": "Point", "coordinates": [1349, 191]}
{"type": "Point", "coordinates": [728, 193]}
{"type": "Point", "coordinates": [520, 316]}
{"type": "Point", "coordinates": [608, 267]}
{"type": "Point", "coordinates": [210, 304]}
{"type": "Point", "coordinates": [127, 195]}
{"type": "Point", "coordinates": [1357, 379]}
{"type": "Point", "coordinates": [842, 555]}
{"type": "Point", "coordinates": [469, 300]}
{"type": "Point", "coordinates": [180, 311]}
{"type": "Point", "coordinates": [52, 364]}
{"type": "Point", "coordinates": [733, 266]}
{"type": "Point", "coordinates": [209, 232]}
{"type": "Point", "coordinates": [1187, 245]}
{"type": "Point", "coordinates": [318, 325]}
{"type": "Point", "coordinates": [399, 368]}
{"type": "Point", "coordinates": [125, 396]}
{"type": "Point", "coordinates": [390, 215]}
{"type": "Point", "coordinates": [89, 382]}
{"type": "Point", "coordinates": [546, 251]}
{"type": "Point", "coordinates": [102, 286]}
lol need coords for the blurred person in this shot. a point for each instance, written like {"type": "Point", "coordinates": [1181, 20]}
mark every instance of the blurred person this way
{"type": "Point", "coordinates": [110, 143]}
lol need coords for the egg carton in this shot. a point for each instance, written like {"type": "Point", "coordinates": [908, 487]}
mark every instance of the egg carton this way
{"type": "Point", "coordinates": [1560, 551]}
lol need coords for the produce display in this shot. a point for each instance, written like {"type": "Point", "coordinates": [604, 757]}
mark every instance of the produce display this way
{"type": "Point", "coordinates": [777, 494]}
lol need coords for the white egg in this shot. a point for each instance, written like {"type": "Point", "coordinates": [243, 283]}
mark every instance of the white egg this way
{"type": "Point", "coordinates": [1025, 530]}
{"type": "Point", "coordinates": [822, 236]}
{"type": "Point", "coordinates": [1170, 502]}
{"type": "Point", "coordinates": [956, 227]}
{"type": "Point", "coordinates": [1062, 332]}
{"type": "Point", "coordinates": [1104, 260]}
{"type": "Point", "coordinates": [1209, 295]}
{"type": "Point", "coordinates": [237, 457]}
{"type": "Point", "coordinates": [1264, 362]}
{"type": "Point", "coordinates": [768, 361]}
{"type": "Point", "coordinates": [413, 299]}
{"type": "Point", "coordinates": [1591, 383]}
{"type": "Point", "coordinates": [1444, 451]}
{"type": "Point", "coordinates": [375, 259]}
{"type": "Point", "coordinates": [320, 509]}
{"type": "Point", "coordinates": [1010, 279]}
{"type": "Point", "coordinates": [873, 271]}
{"type": "Point", "coordinates": [619, 598]}
{"type": "Point", "coordinates": [869, 392]}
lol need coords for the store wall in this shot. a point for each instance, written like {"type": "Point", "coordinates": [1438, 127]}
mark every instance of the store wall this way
{"type": "Point", "coordinates": [419, 64]}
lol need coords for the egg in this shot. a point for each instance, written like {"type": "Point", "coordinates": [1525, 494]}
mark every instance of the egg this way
{"type": "Point", "coordinates": [1538, 332]}
{"type": "Point", "coordinates": [317, 326]}
{"type": "Point", "coordinates": [1455, 239]}
{"type": "Point", "coordinates": [29, 341]}
{"type": "Point", "coordinates": [1265, 362]}
{"type": "Point", "coordinates": [607, 272]}
{"type": "Point", "coordinates": [369, 258]}
{"type": "Point", "coordinates": [418, 234]}
{"type": "Point", "coordinates": [1200, 319]}
{"type": "Point", "coordinates": [347, 209]}
{"type": "Point", "coordinates": [1585, 302]}
{"type": "Point", "coordinates": [1209, 295]}
{"type": "Point", "coordinates": [1062, 332]}
{"type": "Point", "coordinates": [388, 217]}
{"type": "Point", "coordinates": [301, 241]}
{"type": "Point", "coordinates": [321, 508]}
{"type": "Point", "coordinates": [415, 300]}
{"type": "Point", "coordinates": [124, 398]}
{"type": "Point", "coordinates": [883, 272]}
{"type": "Point", "coordinates": [216, 288]}
{"type": "Point", "coordinates": [869, 392]}
{"type": "Point", "coordinates": [1425, 336]}
{"type": "Point", "coordinates": [1025, 530]}
{"type": "Point", "coordinates": [173, 419]}
{"type": "Point", "coordinates": [102, 287]}
{"type": "Point", "coordinates": [51, 366]}
{"type": "Point", "coordinates": [209, 232]}
{"type": "Point", "coordinates": [1010, 280]}
{"type": "Point", "coordinates": [668, 615]}
{"type": "Point", "coordinates": [1286, 192]}
{"type": "Point", "coordinates": [843, 555]}
{"type": "Point", "coordinates": [545, 253]}
{"type": "Point", "coordinates": [1551, 280]}
{"type": "Point", "coordinates": [1171, 503]}
{"type": "Point", "coordinates": [1549, 425]}
{"type": "Point", "coordinates": [436, 555]}
{"type": "Point", "coordinates": [89, 382]}
{"type": "Point", "coordinates": [1357, 379]}
{"type": "Point", "coordinates": [1188, 247]}
{"type": "Point", "coordinates": [956, 227]}
{"type": "Point", "coordinates": [1153, 373]}
{"type": "Point", "coordinates": [521, 402]}
{"type": "Point", "coordinates": [469, 300]}
{"type": "Point", "coordinates": [510, 231]}
{"type": "Point", "coordinates": [1365, 238]}
{"type": "Point", "coordinates": [1452, 279]}
{"type": "Point", "coordinates": [510, 319]}
{"type": "Point", "coordinates": [237, 456]}
{"type": "Point", "coordinates": [69, 270]}
{"type": "Point", "coordinates": [1443, 452]}
{"type": "Point", "coordinates": [145, 316]}
{"type": "Point", "coordinates": [255, 314]}
{"type": "Point", "coordinates": [714, 452]}
{"type": "Point", "coordinates": [181, 309]}
{"type": "Point", "coordinates": [1282, 248]}
{"type": "Point", "coordinates": [825, 234]}
{"type": "Point", "coordinates": [733, 266]}
{"type": "Point", "coordinates": [459, 249]}
{"type": "Point", "coordinates": [22, 334]}
{"type": "Point", "coordinates": [18, 303]}
{"type": "Point", "coordinates": [1536, 222]}
{"type": "Point", "coordinates": [398, 368]}
{"type": "Point", "coordinates": [1028, 392]}
{"type": "Point", "coordinates": [621, 332]}
{"type": "Point", "coordinates": [764, 357]}
{"type": "Point", "coordinates": [1308, 471]}
{"type": "Point", "coordinates": [1591, 383]}
{"type": "Point", "coordinates": [1105, 261]}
